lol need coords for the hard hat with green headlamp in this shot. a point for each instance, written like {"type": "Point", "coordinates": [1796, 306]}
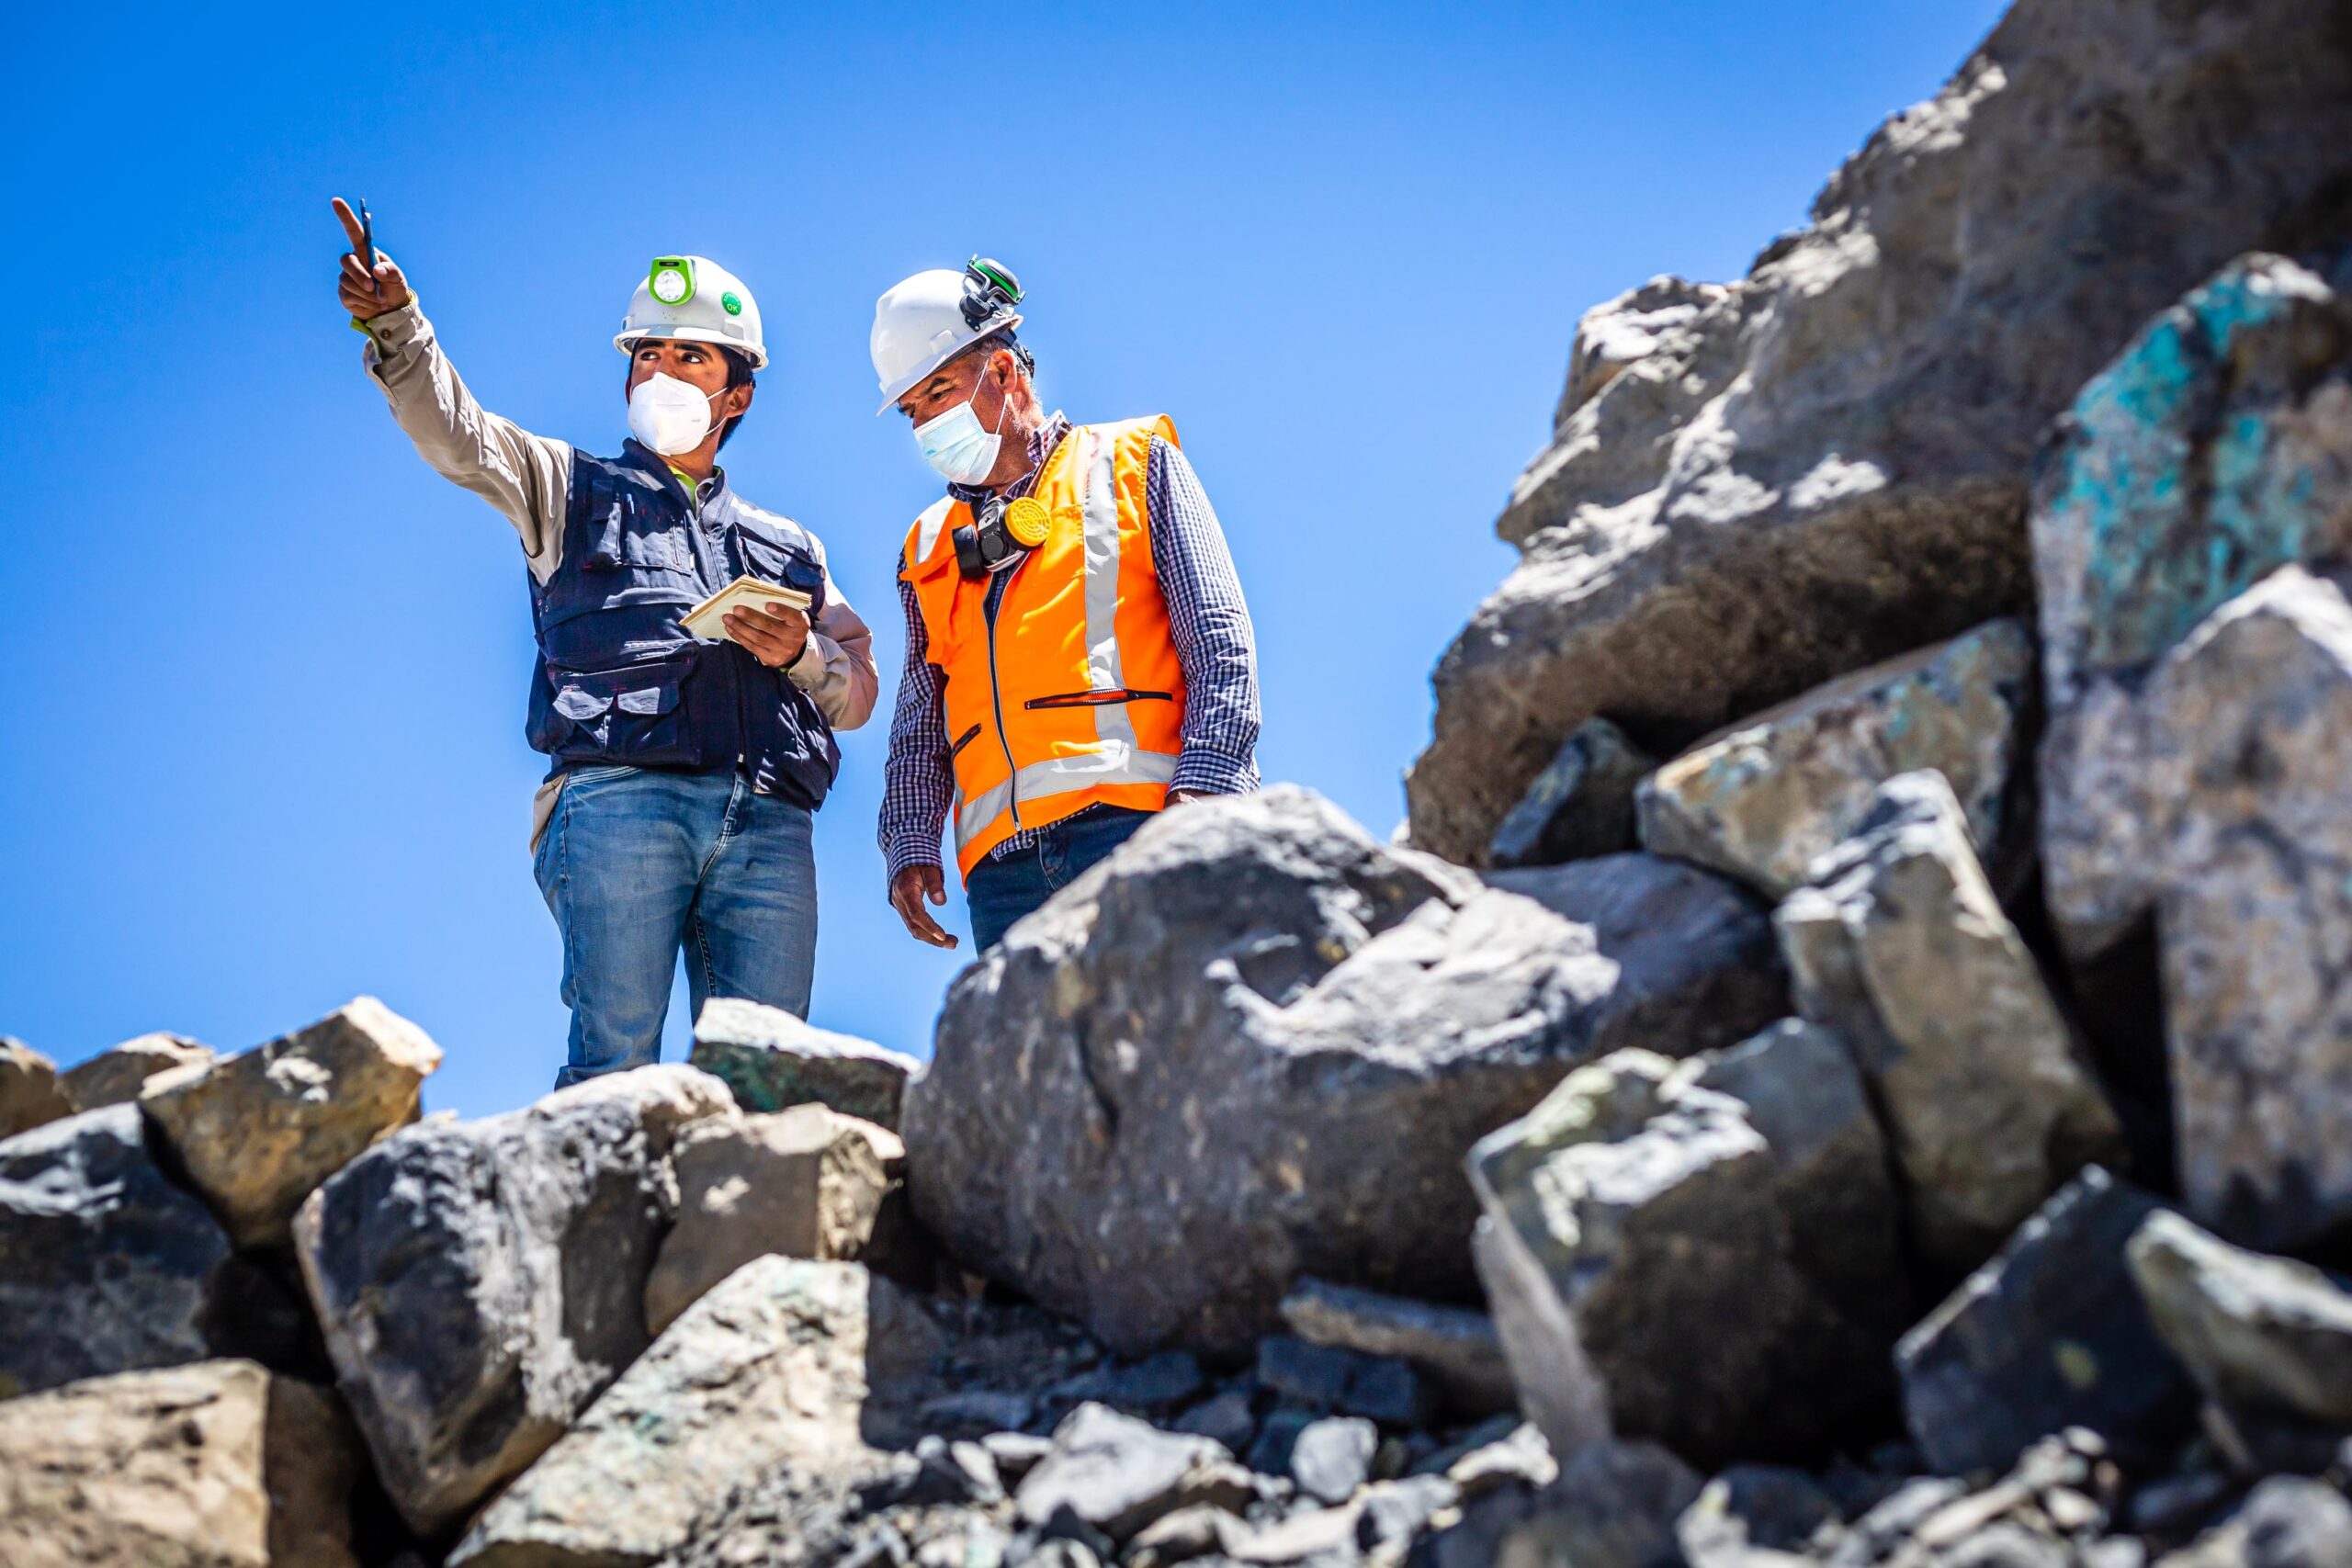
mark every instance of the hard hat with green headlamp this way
{"type": "Point", "coordinates": [929, 319]}
{"type": "Point", "coordinates": [694, 300]}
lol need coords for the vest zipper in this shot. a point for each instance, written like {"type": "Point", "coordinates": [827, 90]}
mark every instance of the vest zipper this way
{"type": "Point", "coordinates": [991, 604]}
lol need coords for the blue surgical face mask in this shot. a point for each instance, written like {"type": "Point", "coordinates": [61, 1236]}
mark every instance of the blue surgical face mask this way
{"type": "Point", "coordinates": [954, 443]}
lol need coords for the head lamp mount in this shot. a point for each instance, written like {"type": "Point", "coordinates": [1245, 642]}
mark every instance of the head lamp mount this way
{"type": "Point", "coordinates": [989, 290]}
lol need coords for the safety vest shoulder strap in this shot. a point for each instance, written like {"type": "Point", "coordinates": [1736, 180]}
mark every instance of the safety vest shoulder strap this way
{"type": "Point", "coordinates": [1157, 424]}
{"type": "Point", "coordinates": [924, 537]}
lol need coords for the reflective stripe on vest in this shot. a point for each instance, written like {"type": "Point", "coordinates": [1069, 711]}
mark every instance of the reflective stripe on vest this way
{"type": "Point", "coordinates": [1081, 622]}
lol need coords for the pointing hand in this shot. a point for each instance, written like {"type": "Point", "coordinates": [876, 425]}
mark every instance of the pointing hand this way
{"type": "Point", "coordinates": [365, 295]}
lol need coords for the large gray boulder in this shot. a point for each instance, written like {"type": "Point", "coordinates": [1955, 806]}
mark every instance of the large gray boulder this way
{"type": "Point", "coordinates": [1156, 1103]}
{"type": "Point", "coordinates": [257, 1132]}
{"type": "Point", "coordinates": [2262, 1336]}
{"type": "Point", "coordinates": [1786, 786]}
{"type": "Point", "coordinates": [2232, 787]}
{"type": "Point", "coordinates": [770, 1372]}
{"type": "Point", "coordinates": [1750, 489]}
{"type": "Point", "coordinates": [2049, 1334]}
{"type": "Point", "coordinates": [213, 1465]}
{"type": "Point", "coordinates": [2216, 448]}
{"type": "Point", "coordinates": [1704, 1253]}
{"type": "Point", "coordinates": [1905, 950]}
{"type": "Point", "coordinates": [481, 1282]}
{"type": "Point", "coordinates": [105, 1265]}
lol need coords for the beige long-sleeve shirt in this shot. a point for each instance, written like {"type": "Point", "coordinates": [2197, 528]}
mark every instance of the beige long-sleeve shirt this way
{"type": "Point", "coordinates": [528, 479]}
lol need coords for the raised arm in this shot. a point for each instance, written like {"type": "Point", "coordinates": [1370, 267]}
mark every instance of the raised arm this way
{"type": "Point", "coordinates": [528, 478]}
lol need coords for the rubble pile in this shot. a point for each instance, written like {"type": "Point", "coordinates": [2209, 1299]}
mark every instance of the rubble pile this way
{"type": "Point", "coordinates": [1851, 1063]}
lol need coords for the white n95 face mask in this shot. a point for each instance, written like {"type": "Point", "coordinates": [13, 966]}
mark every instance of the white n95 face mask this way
{"type": "Point", "coordinates": [957, 445]}
{"type": "Point", "coordinates": [669, 415]}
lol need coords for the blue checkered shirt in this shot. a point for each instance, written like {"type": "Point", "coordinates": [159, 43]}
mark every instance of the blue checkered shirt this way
{"type": "Point", "coordinates": [1207, 619]}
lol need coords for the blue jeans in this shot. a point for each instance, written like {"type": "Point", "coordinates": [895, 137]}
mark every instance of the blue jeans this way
{"type": "Point", "coordinates": [637, 864]}
{"type": "Point", "coordinates": [999, 892]}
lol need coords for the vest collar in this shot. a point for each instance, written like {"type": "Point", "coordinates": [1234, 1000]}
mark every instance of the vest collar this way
{"type": "Point", "coordinates": [638, 454]}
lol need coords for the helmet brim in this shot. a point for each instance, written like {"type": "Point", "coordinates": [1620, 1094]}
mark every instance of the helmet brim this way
{"type": "Point", "coordinates": [899, 389]}
{"type": "Point", "coordinates": [757, 355]}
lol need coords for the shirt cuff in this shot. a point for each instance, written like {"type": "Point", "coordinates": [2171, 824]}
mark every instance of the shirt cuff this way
{"type": "Point", "coordinates": [814, 668]}
{"type": "Point", "coordinates": [1210, 773]}
{"type": "Point", "coordinates": [394, 330]}
{"type": "Point", "coordinates": [911, 848]}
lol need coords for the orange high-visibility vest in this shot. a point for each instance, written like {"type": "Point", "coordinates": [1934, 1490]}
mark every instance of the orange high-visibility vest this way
{"type": "Point", "coordinates": [1074, 696]}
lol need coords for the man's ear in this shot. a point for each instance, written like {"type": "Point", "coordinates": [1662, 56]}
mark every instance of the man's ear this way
{"type": "Point", "coordinates": [738, 409]}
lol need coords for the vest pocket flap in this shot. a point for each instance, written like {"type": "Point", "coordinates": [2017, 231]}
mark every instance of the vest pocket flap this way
{"type": "Point", "coordinates": [584, 695]}
{"type": "Point", "coordinates": [580, 705]}
{"type": "Point", "coordinates": [649, 699]}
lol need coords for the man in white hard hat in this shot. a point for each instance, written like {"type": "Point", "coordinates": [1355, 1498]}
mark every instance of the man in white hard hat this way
{"type": "Point", "coordinates": [683, 770]}
{"type": "Point", "coordinates": [1078, 653]}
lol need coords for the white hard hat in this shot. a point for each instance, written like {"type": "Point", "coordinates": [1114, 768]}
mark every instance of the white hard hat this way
{"type": "Point", "coordinates": [926, 320]}
{"type": "Point", "coordinates": [695, 300]}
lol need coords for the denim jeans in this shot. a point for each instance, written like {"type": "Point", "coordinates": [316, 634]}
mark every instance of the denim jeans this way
{"type": "Point", "coordinates": [999, 892]}
{"type": "Point", "coordinates": [637, 863]}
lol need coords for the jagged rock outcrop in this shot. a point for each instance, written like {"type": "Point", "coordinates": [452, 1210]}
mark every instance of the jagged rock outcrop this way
{"type": "Point", "coordinates": [1762, 803]}
{"type": "Point", "coordinates": [1750, 489]}
{"type": "Point", "coordinates": [1228, 1084]}
{"type": "Point", "coordinates": [806, 1182]}
{"type": "Point", "coordinates": [116, 1075]}
{"type": "Point", "coordinates": [771, 1060]}
{"type": "Point", "coordinates": [29, 1095]}
{"type": "Point", "coordinates": [105, 1265]}
{"type": "Point", "coordinates": [257, 1132]}
{"type": "Point", "coordinates": [480, 1283]}
{"type": "Point", "coordinates": [216, 1464]}
{"type": "Point", "coordinates": [1749, 1193]}
{"type": "Point", "coordinates": [1150, 1106]}
{"type": "Point", "coordinates": [1904, 949]}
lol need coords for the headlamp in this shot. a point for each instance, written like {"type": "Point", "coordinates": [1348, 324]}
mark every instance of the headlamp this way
{"type": "Point", "coordinates": [673, 280]}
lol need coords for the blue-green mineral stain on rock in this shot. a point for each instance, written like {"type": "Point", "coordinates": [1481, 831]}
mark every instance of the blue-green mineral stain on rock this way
{"type": "Point", "coordinates": [2210, 452]}
{"type": "Point", "coordinates": [771, 1061]}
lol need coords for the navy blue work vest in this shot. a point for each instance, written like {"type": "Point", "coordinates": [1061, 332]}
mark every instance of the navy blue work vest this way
{"type": "Point", "coordinates": [620, 682]}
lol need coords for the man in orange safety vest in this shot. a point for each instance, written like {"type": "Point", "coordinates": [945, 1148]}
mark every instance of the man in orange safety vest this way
{"type": "Point", "coordinates": [1079, 653]}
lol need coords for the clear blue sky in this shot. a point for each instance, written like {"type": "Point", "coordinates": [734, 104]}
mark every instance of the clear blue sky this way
{"type": "Point", "coordinates": [263, 748]}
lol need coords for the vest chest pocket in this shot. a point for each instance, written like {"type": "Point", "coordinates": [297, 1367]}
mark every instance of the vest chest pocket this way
{"type": "Point", "coordinates": [658, 550]}
{"type": "Point", "coordinates": [646, 540]}
{"type": "Point", "coordinates": [634, 715]}
{"type": "Point", "coordinates": [775, 559]}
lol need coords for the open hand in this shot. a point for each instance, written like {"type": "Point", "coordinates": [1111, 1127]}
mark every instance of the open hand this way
{"type": "Point", "coordinates": [909, 890]}
{"type": "Point", "coordinates": [365, 295]}
{"type": "Point", "coordinates": [775, 633]}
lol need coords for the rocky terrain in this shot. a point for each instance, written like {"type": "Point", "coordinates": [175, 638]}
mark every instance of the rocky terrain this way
{"type": "Point", "coordinates": [1850, 1064]}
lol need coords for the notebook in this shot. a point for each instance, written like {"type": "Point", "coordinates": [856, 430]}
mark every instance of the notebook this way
{"type": "Point", "coordinates": [705, 619]}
